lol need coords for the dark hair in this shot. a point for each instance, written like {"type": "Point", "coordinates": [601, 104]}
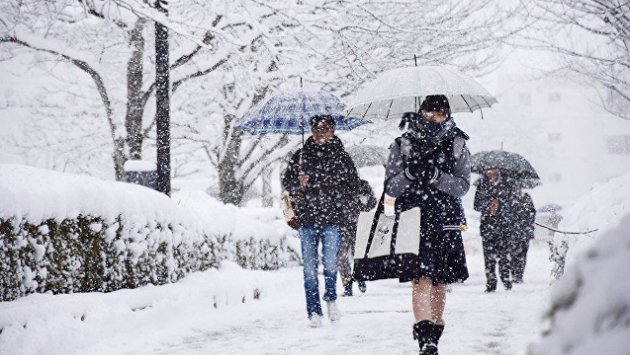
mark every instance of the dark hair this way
{"type": "Point", "coordinates": [436, 103]}
{"type": "Point", "coordinates": [319, 119]}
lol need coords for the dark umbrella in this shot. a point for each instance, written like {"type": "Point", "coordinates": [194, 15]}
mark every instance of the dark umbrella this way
{"type": "Point", "coordinates": [511, 163]}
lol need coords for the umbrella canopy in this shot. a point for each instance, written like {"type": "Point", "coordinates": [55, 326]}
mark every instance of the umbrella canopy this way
{"type": "Point", "coordinates": [509, 162]}
{"type": "Point", "coordinates": [402, 90]}
{"type": "Point", "coordinates": [368, 155]}
{"type": "Point", "coordinates": [290, 113]}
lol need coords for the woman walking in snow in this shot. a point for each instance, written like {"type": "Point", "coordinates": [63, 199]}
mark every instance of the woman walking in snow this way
{"type": "Point", "coordinates": [429, 167]}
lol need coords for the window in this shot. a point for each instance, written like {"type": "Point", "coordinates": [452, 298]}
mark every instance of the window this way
{"type": "Point", "coordinates": [554, 137]}
{"type": "Point", "coordinates": [554, 97]}
{"type": "Point", "coordinates": [618, 144]}
{"type": "Point", "coordinates": [525, 98]}
{"type": "Point", "coordinates": [555, 177]}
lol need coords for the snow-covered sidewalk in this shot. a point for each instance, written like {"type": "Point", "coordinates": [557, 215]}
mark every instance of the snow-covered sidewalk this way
{"type": "Point", "coordinates": [215, 312]}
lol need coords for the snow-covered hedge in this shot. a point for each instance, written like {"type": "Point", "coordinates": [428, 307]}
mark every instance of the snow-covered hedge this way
{"type": "Point", "coordinates": [590, 305]}
{"type": "Point", "coordinates": [257, 238]}
{"type": "Point", "coordinates": [68, 233]}
{"type": "Point", "coordinates": [89, 253]}
{"type": "Point", "coordinates": [599, 209]}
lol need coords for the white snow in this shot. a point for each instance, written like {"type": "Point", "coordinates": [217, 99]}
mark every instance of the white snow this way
{"type": "Point", "coordinates": [139, 165]}
{"type": "Point", "coordinates": [599, 209]}
{"type": "Point", "coordinates": [214, 312]}
{"type": "Point", "coordinates": [590, 310]}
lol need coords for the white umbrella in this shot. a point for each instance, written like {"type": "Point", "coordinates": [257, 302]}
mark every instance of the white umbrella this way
{"type": "Point", "coordinates": [402, 90]}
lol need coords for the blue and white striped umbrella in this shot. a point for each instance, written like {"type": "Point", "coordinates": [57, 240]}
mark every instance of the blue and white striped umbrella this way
{"type": "Point", "coordinates": [290, 113]}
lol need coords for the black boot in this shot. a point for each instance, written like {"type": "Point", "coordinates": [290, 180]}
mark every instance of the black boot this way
{"type": "Point", "coordinates": [347, 289]}
{"type": "Point", "coordinates": [491, 286]}
{"type": "Point", "coordinates": [428, 335]}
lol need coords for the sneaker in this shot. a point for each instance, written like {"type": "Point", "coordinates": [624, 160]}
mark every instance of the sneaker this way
{"type": "Point", "coordinates": [315, 321]}
{"type": "Point", "coordinates": [362, 286]}
{"type": "Point", "coordinates": [333, 311]}
{"type": "Point", "coordinates": [490, 288]}
{"type": "Point", "coordinates": [347, 290]}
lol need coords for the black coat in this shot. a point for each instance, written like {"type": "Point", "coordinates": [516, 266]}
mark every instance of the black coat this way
{"type": "Point", "coordinates": [525, 215]}
{"type": "Point", "coordinates": [365, 192]}
{"type": "Point", "coordinates": [516, 211]}
{"type": "Point", "coordinates": [332, 187]}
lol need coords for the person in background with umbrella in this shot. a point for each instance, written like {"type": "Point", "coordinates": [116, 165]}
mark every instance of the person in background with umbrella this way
{"type": "Point", "coordinates": [321, 180]}
{"type": "Point", "coordinates": [363, 202]}
{"type": "Point", "coordinates": [506, 213]}
{"type": "Point", "coordinates": [493, 198]}
{"type": "Point", "coordinates": [429, 167]}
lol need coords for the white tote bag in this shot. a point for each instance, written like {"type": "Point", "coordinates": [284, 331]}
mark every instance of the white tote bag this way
{"type": "Point", "coordinates": [387, 246]}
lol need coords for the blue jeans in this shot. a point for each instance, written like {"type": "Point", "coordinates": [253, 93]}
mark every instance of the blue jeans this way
{"type": "Point", "coordinates": [331, 239]}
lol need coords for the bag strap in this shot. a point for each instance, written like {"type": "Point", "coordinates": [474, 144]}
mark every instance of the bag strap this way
{"type": "Point", "coordinates": [379, 210]}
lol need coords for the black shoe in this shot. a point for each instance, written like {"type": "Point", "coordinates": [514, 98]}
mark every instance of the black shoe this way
{"type": "Point", "coordinates": [347, 290]}
{"type": "Point", "coordinates": [508, 285]}
{"type": "Point", "coordinates": [362, 286]}
{"type": "Point", "coordinates": [490, 288]}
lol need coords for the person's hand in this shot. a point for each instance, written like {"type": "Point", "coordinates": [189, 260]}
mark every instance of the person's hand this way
{"type": "Point", "coordinates": [303, 180]}
{"type": "Point", "coordinates": [494, 206]}
{"type": "Point", "coordinates": [421, 171]}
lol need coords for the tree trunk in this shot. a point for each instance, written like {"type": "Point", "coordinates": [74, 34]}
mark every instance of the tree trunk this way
{"type": "Point", "coordinates": [135, 102]}
{"type": "Point", "coordinates": [231, 189]}
{"type": "Point", "coordinates": [267, 198]}
{"type": "Point", "coordinates": [119, 159]}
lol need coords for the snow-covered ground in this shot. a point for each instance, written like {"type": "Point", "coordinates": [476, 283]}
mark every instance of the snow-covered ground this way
{"type": "Point", "coordinates": [214, 312]}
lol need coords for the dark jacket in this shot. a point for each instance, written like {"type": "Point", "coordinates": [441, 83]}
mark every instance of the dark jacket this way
{"type": "Point", "coordinates": [516, 210]}
{"type": "Point", "coordinates": [332, 187]}
{"type": "Point", "coordinates": [439, 199]}
{"type": "Point", "coordinates": [525, 215]}
{"type": "Point", "coordinates": [503, 189]}
{"type": "Point", "coordinates": [364, 193]}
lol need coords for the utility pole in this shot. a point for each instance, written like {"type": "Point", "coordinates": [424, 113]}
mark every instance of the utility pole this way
{"type": "Point", "coordinates": [162, 115]}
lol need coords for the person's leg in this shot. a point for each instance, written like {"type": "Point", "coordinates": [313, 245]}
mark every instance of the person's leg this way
{"type": "Point", "coordinates": [504, 269]}
{"type": "Point", "coordinates": [490, 261]}
{"type": "Point", "coordinates": [522, 259]}
{"type": "Point", "coordinates": [503, 251]}
{"type": "Point", "coordinates": [345, 268]}
{"type": "Point", "coordinates": [426, 330]}
{"type": "Point", "coordinates": [421, 299]}
{"type": "Point", "coordinates": [309, 241]}
{"type": "Point", "coordinates": [438, 301]}
{"type": "Point", "coordinates": [515, 259]}
{"type": "Point", "coordinates": [331, 239]}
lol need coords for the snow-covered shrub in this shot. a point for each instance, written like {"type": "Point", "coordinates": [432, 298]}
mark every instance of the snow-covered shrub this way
{"type": "Point", "coordinates": [68, 233]}
{"type": "Point", "coordinates": [600, 208]}
{"type": "Point", "coordinates": [590, 306]}
{"type": "Point", "coordinates": [264, 254]}
{"type": "Point", "coordinates": [256, 238]}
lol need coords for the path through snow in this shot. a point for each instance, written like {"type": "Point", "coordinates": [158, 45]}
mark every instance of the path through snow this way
{"type": "Point", "coordinates": [181, 318]}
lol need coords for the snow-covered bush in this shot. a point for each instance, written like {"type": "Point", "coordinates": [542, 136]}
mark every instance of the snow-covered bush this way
{"type": "Point", "coordinates": [599, 209]}
{"type": "Point", "coordinates": [590, 306]}
{"type": "Point", "coordinates": [256, 238]}
{"type": "Point", "coordinates": [68, 233]}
